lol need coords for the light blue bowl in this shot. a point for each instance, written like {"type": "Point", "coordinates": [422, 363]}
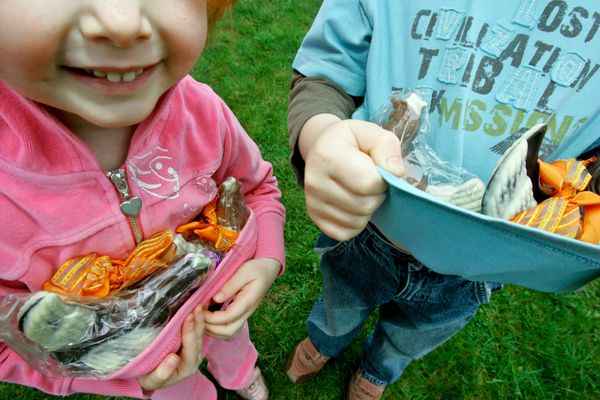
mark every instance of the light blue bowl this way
{"type": "Point", "coordinates": [454, 241]}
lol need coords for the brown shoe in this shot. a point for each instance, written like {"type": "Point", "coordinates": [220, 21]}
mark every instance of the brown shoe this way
{"type": "Point", "coordinates": [305, 362]}
{"type": "Point", "coordinates": [361, 389]}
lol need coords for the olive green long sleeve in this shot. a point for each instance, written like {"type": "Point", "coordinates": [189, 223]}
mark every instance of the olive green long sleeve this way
{"type": "Point", "coordinates": [310, 96]}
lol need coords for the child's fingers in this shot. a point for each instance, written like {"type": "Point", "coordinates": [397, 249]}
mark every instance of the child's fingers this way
{"type": "Point", "coordinates": [233, 312]}
{"type": "Point", "coordinates": [199, 327]}
{"type": "Point", "coordinates": [227, 323]}
{"type": "Point", "coordinates": [175, 368]}
{"type": "Point", "coordinates": [228, 330]}
{"type": "Point", "coordinates": [191, 343]}
{"type": "Point", "coordinates": [231, 288]}
{"type": "Point", "coordinates": [161, 374]}
{"type": "Point", "coordinates": [166, 368]}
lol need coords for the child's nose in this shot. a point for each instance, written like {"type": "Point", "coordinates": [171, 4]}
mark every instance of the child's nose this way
{"type": "Point", "coordinates": [120, 21]}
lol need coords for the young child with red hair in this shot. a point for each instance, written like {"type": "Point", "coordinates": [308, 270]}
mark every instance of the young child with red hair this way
{"type": "Point", "coordinates": [97, 86]}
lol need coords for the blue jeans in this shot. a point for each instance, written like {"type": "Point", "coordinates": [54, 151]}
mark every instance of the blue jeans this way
{"type": "Point", "coordinates": [418, 309]}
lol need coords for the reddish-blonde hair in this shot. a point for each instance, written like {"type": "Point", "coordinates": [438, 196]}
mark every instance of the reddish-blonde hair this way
{"type": "Point", "coordinates": [216, 9]}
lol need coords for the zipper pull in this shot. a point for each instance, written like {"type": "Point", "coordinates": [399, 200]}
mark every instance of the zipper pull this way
{"type": "Point", "coordinates": [129, 206]}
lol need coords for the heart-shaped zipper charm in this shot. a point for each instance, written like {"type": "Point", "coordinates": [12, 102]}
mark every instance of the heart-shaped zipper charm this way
{"type": "Point", "coordinates": [131, 207]}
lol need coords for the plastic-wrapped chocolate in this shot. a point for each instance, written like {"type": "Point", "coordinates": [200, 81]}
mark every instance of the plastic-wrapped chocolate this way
{"type": "Point", "coordinates": [406, 115]}
{"type": "Point", "coordinates": [74, 336]}
{"type": "Point", "coordinates": [405, 119]}
{"type": "Point", "coordinates": [232, 211]}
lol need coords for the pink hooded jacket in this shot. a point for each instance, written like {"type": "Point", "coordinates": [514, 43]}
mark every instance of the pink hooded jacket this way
{"type": "Point", "coordinates": [56, 202]}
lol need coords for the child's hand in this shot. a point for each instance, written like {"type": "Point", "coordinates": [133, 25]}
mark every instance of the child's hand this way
{"type": "Point", "coordinates": [245, 289]}
{"type": "Point", "coordinates": [177, 367]}
{"type": "Point", "coordinates": [342, 187]}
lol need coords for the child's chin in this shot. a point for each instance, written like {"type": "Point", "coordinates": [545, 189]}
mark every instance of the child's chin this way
{"type": "Point", "coordinates": [118, 119]}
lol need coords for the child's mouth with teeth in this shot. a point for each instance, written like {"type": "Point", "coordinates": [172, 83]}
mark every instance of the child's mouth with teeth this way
{"type": "Point", "coordinates": [114, 77]}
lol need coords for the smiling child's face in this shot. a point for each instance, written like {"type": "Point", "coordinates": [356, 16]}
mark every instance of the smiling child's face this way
{"type": "Point", "coordinates": [106, 61]}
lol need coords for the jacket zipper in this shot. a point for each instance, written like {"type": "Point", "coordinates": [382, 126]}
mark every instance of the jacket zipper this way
{"type": "Point", "coordinates": [130, 206]}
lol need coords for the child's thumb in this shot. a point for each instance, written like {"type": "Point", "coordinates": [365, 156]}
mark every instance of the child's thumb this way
{"type": "Point", "coordinates": [228, 290]}
{"type": "Point", "coordinates": [387, 154]}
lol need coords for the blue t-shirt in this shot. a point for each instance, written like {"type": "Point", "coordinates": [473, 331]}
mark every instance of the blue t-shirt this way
{"type": "Point", "coordinates": [488, 68]}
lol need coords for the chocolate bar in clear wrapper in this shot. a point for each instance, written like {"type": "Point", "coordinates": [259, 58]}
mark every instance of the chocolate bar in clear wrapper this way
{"type": "Point", "coordinates": [406, 115]}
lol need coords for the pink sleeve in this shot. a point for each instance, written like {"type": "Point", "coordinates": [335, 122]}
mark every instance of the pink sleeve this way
{"type": "Point", "coordinates": [14, 369]}
{"type": "Point", "coordinates": [242, 159]}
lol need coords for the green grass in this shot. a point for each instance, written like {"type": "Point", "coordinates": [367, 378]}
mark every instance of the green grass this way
{"type": "Point", "coordinates": [523, 345]}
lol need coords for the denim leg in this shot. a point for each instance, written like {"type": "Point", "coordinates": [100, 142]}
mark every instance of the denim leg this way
{"type": "Point", "coordinates": [358, 276]}
{"type": "Point", "coordinates": [331, 332]}
{"type": "Point", "coordinates": [431, 310]}
{"type": "Point", "coordinates": [419, 308]}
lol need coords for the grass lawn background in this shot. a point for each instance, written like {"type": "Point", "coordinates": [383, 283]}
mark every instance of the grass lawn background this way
{"type": "Point", "coordinates": [523, 345]}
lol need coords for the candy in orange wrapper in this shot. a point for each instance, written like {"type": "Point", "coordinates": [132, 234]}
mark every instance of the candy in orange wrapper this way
{"type": "Point", "coordinates": [553, 197]}
{"type": "Point", "coordinates": [206, 228]}
{"type": "Point", "coordinates": [99, 276]}
{"type": "Point", "coordinates": [571, 210]}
